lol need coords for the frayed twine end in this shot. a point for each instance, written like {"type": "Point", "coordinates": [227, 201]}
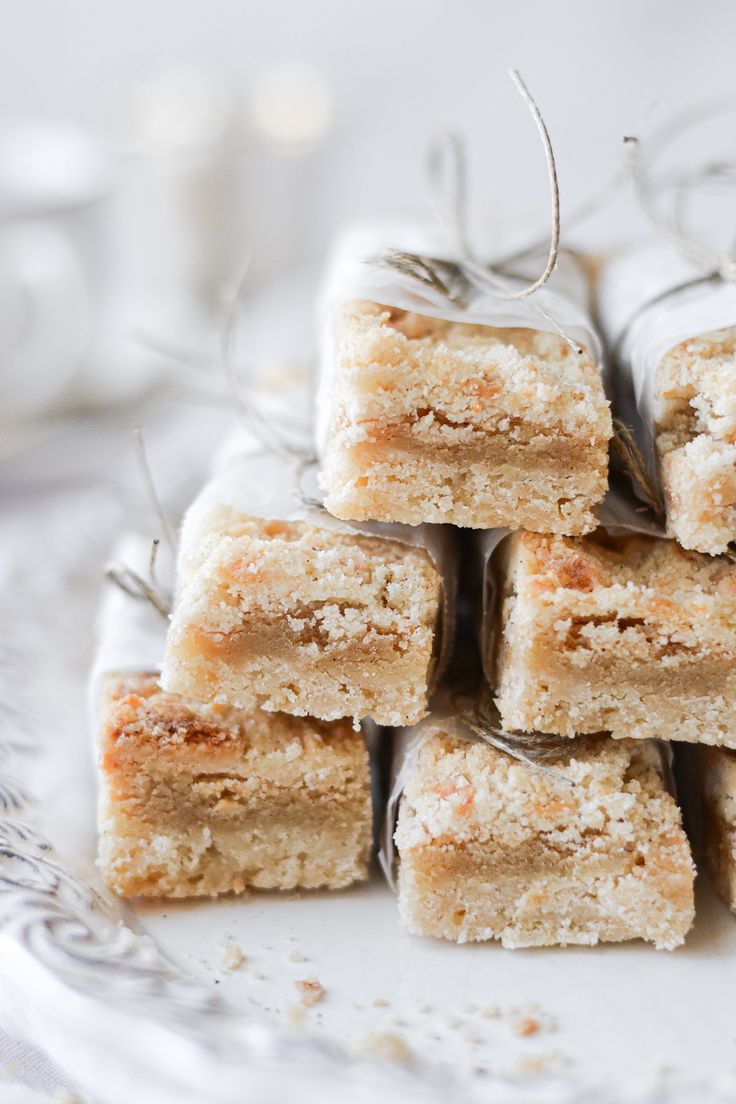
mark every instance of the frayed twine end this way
{"type": "Point", "coordinates": [628, 452]}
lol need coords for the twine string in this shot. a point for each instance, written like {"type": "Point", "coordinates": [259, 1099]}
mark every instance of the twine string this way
{"type": "Point", "coordinates": [671, 224]}
{"type": "Point", "coordinates": [126, 578]}
{"type": "Point", "coordinates": [448, 177]}
{"type": "Point", "coordinates": [135, 586]}
{"type": "Point", "coordinates": [592, 205]}
{"type": "Point", "coordinates": [628, 452]}
{"type": "Point", "coordinates": [554, 240]}
{"type": "Point", "coordinates": [455, 281]}
{"type": "Point", "coordinates": [141, 453]}
{"type": "Point", "coordinates": [153, 559]}
{"type": "Point", "coordinates": [265, 429]}
{"type": "Point", "coordinates": [449, 186]}
{"type": "Point", "coordinates": [534, 749]}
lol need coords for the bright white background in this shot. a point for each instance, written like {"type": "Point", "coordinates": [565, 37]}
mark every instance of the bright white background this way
{"type": "Point", "coordinates": [399, 69]}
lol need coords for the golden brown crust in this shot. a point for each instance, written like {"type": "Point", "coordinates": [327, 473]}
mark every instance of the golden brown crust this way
{"type": "Point", "coordinates": [601, 560]}
{"type": "Point", "coordinates": [139, 710]}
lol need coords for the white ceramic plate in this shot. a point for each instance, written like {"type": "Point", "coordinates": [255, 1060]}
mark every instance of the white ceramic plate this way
{"type": "Point", "coordinates": [138, 1004]}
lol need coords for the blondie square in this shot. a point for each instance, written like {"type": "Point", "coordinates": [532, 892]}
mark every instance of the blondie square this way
{"type": "Point", "coordinates": [199, 800]}
{"type": "Point", "coordinates": [438, 421]}
{"type": "Point", "coordinates": [719, 807]}
{"type": "Point", "coordinates": [629, 635]}
{"type": "Point", "coordinates": [491, 848]}
{"type": "Point", "coordinates": [303, 618]}
{"type": "Point", "coordinates": [695, 434]}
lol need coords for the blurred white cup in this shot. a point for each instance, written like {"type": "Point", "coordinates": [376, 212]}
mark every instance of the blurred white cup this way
{"type": "Point", "coordinates": [53, 261]}
{"type": "Point", "coordinates": [43, 318]}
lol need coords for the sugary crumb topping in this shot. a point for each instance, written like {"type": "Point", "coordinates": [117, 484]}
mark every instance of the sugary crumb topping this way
{"type": "Point", "coordinates": [393, 362]}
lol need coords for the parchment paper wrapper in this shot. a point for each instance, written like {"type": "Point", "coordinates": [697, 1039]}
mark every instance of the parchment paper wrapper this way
{"type": "Point", "coordinates": [130, 632]}
{"type": "Point", "coordinates": [644, 315]}
{"type": "Point", "coordinates": [353, 274]}
{"type": "Point", "coordinates": [271, 485]}
{"type": "Point", "coordinates": [407, 743]}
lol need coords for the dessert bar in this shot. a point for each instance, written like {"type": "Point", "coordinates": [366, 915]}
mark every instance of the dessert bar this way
{"type": "Point", "coordinates": [695, 432]}
{"type": "Point", "coordinates": [430, 415]}
{"type": "Point", "coordinates": [629, 635]}
{"type": "Point", "coordinates": [299, 613]}
{"type": "Point", "coordinates": [199, 800]}
{"type": "Point", "coordinates": [672, 334]}
{"type": "Point", "coordinates": [491, 848]}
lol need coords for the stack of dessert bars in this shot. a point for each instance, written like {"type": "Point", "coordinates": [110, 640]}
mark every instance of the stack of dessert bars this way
{"type": "Point", "coordinates": [241, 760]}
{"type": "Point", "coordinates": [244, 763]}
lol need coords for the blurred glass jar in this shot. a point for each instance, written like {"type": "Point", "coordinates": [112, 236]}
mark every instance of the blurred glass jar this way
{"type": "Point", "coordinates": [172, 140]}
{"type": "Point", "coordinates": [210, 177]}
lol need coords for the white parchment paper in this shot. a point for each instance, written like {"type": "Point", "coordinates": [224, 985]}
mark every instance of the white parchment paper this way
{"type": "Point", "coordinates": [644, 315]}
{"type": "Point", "coordinates": [407, 743]}
{"type": "Point", "coordinates": [130, 633]}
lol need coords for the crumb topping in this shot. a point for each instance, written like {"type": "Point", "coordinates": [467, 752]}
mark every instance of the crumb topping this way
{"type": "Point", "coordinates": [395, 363]}
{"type": "Point", "coordinates": [466, 790]}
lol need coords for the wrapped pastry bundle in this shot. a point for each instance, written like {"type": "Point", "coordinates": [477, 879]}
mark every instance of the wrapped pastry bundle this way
{"type": "Point", "coordinates": [588, 848]}
{"type": "Point", "coordinates": [547, 816]}
{"type": "Point", "coordinates": [282, 607]}
{"type": "Point", "coordinates": [626, 634]}
{"type": "Point", "coordinates": [673, 336]}
{"type": "Point", "coordinates": [445, 399]}
{"type": "Point", "coordinates": [201, 799]}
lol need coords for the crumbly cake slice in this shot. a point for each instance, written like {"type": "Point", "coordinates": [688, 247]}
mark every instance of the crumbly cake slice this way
{"type": "Point", "coordinates": [200, 800]}
{"type": "Point", "coordinates": [695, 434]}
{"type": "Point", "coordinates": [493, 849]}
{"type": "Point", "coordinates": [436, 421]}
{"type": "Point", "coordinates": [719, 807]}
{"type": "Point", "coordinates": [306, 620]}
{"type": "Point", "coordinates": [629, 635]}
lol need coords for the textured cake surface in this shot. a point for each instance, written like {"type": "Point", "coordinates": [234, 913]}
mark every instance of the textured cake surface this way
{"type": "Point", "coordinates": [632, 636]}
{"type": "Point", "coordinates": [719, 804]}
{"type": "Point", "coordinates": [306, 620]}
{"type": "Point", "coordinates": [435, 421]}
{"type": "Point", "coordinates": [695, 432]}
{"type": "Point", "coordinates": [493, 849]}
{"type": "Point", "coordinates": [199, 800]}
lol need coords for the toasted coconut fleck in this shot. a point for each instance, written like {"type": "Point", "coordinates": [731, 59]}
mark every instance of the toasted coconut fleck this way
{"type": "Point", "coordinates": [311, 991]}
{"type": "Point", "coordinates": [388, 1045]}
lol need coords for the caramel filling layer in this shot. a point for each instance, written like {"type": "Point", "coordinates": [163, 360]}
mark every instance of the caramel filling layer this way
{"type": "Point", "coordinates": [492, 449]}
{"type": "Point", "coordinates": [279, 640]}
